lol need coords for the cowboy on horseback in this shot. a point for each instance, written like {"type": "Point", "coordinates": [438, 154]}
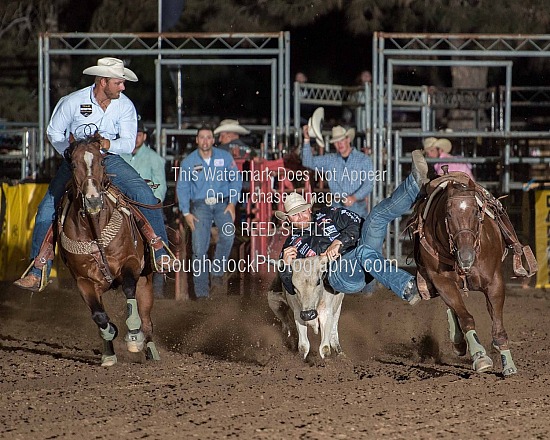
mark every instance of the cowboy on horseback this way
{"type": "Point", "coordinates": [104, 107]}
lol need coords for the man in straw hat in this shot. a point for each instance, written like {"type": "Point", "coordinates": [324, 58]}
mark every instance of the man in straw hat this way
{"type": "Point", "coordinates": [435, 148]}
{"type": "Point", "coordinates": [229, 136]}
{"type": "Point", "coordinates": [349, 172]}
{"type": "Point", "coordinates": [101, 107]}
{"type": "Point", "coordinates": [336, 232]}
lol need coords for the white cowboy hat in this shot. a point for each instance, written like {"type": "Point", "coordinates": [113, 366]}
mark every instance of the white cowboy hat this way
{"type": "Point", "coordinates": [111, 68]}
{"type": "Point", "coordinates": [231, 126]}
{"type": "Point", "coordinates": [443, 144]}
{"type": "Point", "coordinates": [339, 133]}
{"type": "Point", "coordinates": [314, 126]}
{"type": "Point", "coordinates": [294, 204]}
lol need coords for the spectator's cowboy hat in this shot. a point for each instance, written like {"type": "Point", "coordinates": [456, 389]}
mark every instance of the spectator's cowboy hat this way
{"type": "Point", "coordinates": [443, 144]}
{"type": "Point", "coordinates": [111, 68]}
{"type": "Point", "coordinates": [230, 126]}
{"type": "Point", "coordinates": [314, 126]}
{"type": "Point", "coordinates": [294, 204]}
{"type": "Point", "coordinates": [339, 133]}
{"type": "Point", "coordinates": [141, 126]}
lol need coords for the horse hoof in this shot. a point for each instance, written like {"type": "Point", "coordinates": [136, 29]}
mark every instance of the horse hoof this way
{"type": "Point", "coordinates": [152, 353]}
{"type": "Point", "coordinates": [460, 348]}
{"type": "Point", "coordinates": [482, 363]}
{"type": "Point", "coordinates": [509, 371]}
{"type": "Point", "coordinates": [108, 361]}
{"type": "Point", "coordinates": [135, 341]}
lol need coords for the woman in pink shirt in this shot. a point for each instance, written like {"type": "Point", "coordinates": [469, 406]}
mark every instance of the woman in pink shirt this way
{"type": "Point", "coordinates": [441, 148]}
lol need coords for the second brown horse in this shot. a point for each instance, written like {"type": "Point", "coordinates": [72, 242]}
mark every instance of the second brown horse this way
{"type": "Point", "coordinates": [459, 247]}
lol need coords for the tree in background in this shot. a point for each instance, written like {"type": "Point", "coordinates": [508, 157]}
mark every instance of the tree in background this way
{"type": "Point", "coordinates": [21, 21]}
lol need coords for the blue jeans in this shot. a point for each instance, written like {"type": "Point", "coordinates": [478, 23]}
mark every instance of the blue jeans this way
{"type": "Point", "coordinates": [200, 240]}
{"type": "Point", "coordinates": [348, 275]}
{"type": "Point", "coordinates": [123, 176]}
{"type": "Point", "coordinates": [373, 231]}
{"type": "Point", "coordinates": [359, 207]}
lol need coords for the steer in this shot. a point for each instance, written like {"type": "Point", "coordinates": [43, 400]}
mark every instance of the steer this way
{"type": "Point", "coordinates": [312, 305]}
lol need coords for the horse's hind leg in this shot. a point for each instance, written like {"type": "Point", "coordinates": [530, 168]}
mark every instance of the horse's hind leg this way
{"type": "Point", "coordinates": [455, 334]}
{"type": "Point", "coordinates": [144, 295]}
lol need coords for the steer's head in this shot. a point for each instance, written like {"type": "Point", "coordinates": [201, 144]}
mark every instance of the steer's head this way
{"type": "Point", "coordinates": [308, 280]}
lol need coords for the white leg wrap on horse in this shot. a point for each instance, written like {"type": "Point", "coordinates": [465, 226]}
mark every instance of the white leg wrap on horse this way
{"type": "Point", "coordinates": [508, 366]}
{"type": "Point", "coordinates": [108, 360]}
{"type": "Point", "coordinates": [134, 321]}
{"type": "Point", "coordinates": [455, 334]}
{"type": "Point", "coordinates": [152, 352]}
{"type": "Point", "coordinates": [109, 333]}
{"type": "Point", "coordinates": [474, 346]}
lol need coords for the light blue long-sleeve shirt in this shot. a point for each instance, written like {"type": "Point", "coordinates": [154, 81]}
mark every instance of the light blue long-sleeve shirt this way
{"type": "Point", "coordinates": [198, 180]}
{"type": "Point", "coordinates": [346, 177]}
{"type": "Point", "coordinates": [151, 166]}
{"type": "Point", "coordinates": [80, 114]}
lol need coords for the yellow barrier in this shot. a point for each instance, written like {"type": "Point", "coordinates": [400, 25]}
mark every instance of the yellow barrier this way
{"type": "Point", "coordinates": [542, 237]}
{"type": "Point", "coordinates": [18, 209]}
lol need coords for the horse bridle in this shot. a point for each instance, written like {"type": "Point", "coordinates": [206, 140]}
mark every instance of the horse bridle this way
{"type": "Point", "coordinates": [475, 233]}
{"type": "Point", "coordinates": [101, 186]}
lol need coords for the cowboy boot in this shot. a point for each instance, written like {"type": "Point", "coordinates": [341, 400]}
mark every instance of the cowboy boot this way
{"type": "Point", "coordinates": [28, 282]}
{"type": "Point", "coordinates": [419, 168]}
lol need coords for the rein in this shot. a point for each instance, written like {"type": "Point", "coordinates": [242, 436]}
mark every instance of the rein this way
{"type": "Point", "coordinates": [476, 234]}
{"type": "Point", "coordinates": [449, 259]}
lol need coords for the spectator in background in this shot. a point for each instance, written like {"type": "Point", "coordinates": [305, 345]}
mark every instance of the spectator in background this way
{"type": "Point", "coordinates": [208, 188]}
{"type": "Point", "coordinates": [347, 171]}
{"type": "Point", "coordinates": [364, 77]}
{"type": "Point", "coordinates": [148, 163]}
{"type": "Point", "coordinates": [305, 109]}
{"type": "Point", "coordinates": [229, 139]}
{"type": "Point", "coordinates": [229, 132]}
{"type": "Point", "coordinates": [151, 167]}
{"type": "Point", "coordinates": [300, 77]}
{"type": "Point", "coordinates": [435, 148]}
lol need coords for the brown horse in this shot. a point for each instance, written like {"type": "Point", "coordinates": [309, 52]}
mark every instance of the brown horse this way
{"type": "Point", "coordinates": [102, 248]}
{"type": "Point", "coordinates": [459, 247]}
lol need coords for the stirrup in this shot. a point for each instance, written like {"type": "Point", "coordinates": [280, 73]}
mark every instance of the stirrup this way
{"type": "Point", "coordinates": [43, 275]}
{"type": "Point", "coordinates": [532, 264]}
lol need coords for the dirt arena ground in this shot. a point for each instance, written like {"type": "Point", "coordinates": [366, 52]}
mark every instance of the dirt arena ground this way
{"type": "Point", "coordinates": [226, 373]}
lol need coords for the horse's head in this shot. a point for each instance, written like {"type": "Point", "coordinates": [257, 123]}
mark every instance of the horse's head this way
{"type": "Point", "coordinates": [88, 173]}
{"type": "Point", "coordinates": [463, 222]}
